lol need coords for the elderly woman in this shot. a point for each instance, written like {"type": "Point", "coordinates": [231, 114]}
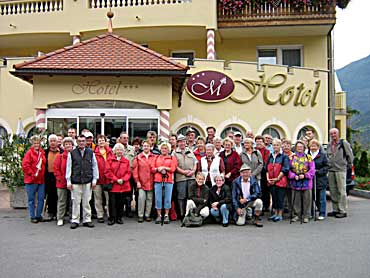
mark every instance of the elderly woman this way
{"type": "Point", "coordinates": [163, 168]}
{"type": "Point", "coordinates": [321, 176]}
{"type": "Point", "coordinates": [220, 201]}
{"type": "Point", "coordinates": [144, 181]}
{"type": "Point", "coordinates": [217, 141]}
{"type": "Point", "coordinates": [102, 153]}
{"type": "Point", "coordinates": [60, 165]}
{"type": "Point", "coordinates": [118, 172]}
{"type": "Point", "coordinates": [33, 166]}
{"type": "Point", "coordinates": [231, 160]}
{"type": "Point", "coordinates": [200, 151]}
{"type": "Point", "coordinates": [277, 171]}
{"type": "Point", "coordinates": [301, 174]}
{"type": "Point", "coordinates": [211, 166]}
{"type": "Point", "coordinates": [252, 158]}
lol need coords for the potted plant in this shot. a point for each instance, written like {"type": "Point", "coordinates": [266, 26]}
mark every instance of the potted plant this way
{"type": "Point", "coordinates": [342, 3]}
{"type": "Point", "coordinates": [12, 153]}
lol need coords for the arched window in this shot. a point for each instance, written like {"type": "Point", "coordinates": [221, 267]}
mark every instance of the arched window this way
{"type": "Point", "coordinates": [184, 128]}
{"type": "Point", "coordinates": [274, 131]}
{"type": "Point", "coordinates": [31, 132]}
{"type": "Point", "coordinates": [303, 130]}
{"type": "Point", "coordinates": [3, 133]}
{"type": "Point", "coordinates": [232, 128]}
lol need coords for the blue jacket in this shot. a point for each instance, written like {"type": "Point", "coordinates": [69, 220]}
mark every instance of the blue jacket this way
{"type": "Point", "coordinates": [237, 192]}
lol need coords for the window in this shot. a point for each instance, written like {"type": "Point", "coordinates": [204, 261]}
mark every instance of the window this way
{"type": "Point", "coordinates": [185, 128]}
{"type": "Point", "coordinates": [184, 54]}
{"type": "Point", "coordinates": [31, 132]}
{"type": "Point", "coordinates": [303, 130]}
{"type": "Point", "coordinates": [231, 128]}
{"type": "Point", "coordinates": [140, 127]}
{"type": "Point", "coordinates": [284, 55]}
{"type": "Point", "coordinates": [60, 125]}
{"type": "Point", "coordinates": [273, 131]}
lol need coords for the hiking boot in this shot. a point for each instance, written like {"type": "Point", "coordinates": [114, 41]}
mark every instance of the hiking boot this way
{"type": "Point", "coordinates": [140, 220]}
{"type": "Point", "coordinates": [166, 220]}
{"type": "Point", "coordinates": [225, 225]}
{"type": "Point", "coordinates": [148, 219]}
{"type": "Point", "coordinates": [60, 222]}
{"type": "Point", "coordinates": [158, 220]}
{"type": "Point", "coordinates": [320, 218]}
{"type": "Point", "coordinates": [257, 222]}
{"type": "Point", "coordinates": [74, 226]}
{"type": "Point", "coordinates": [111, 222]}
{"type": "Point", "coordinates": [305, 220]}
{"type": "Point", "coordinates": [34, 220]}
{"type": "Point", "coordinates": [101, 220]}
{"type": "Point", "coordinates": [119, 221]}
{"type": "Point", "coordinates": [341, 215]}
{"type": "Point", "coordinates": [332, 214]}
{"type": "Point", "coordinates": [88, 224]}
{"type": "Point", "coordinates": [295, 219]}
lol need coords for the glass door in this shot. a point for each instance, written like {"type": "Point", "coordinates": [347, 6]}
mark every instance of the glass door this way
{"type": "Point", "coordinates": [60, 125]}
{"type": "Point", "coordinates": [93, 124]}
{"type": "Point", "coordinates": [113, 126]}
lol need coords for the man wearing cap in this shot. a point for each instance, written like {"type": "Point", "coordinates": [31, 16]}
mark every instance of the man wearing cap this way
{"type": "Point", "coordinates": [89, 140]}
{"type": "Point", "coordinates": [190, 136]}
{"type": "Point", "coordinates": [246, 194]}
{"type": "Point", "coordinates": [81, 174]}
{"type": "Point", "coordinates": [238, 146]}
{"type": "Point", "coordinates": [186, 167]}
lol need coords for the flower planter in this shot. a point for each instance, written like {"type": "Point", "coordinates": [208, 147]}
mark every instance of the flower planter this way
{"type": "Point", "coordinates": [360, 193]}
{"type": "Point", "coordinates": [18, 198]}
{"type": "Point", "coordinates": [342, 3]}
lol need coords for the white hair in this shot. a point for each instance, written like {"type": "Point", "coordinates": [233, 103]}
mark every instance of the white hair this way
{"type": "Point", "coordinates": [52, 136]}
{"type": "Point", "coordinates": [118, 146]}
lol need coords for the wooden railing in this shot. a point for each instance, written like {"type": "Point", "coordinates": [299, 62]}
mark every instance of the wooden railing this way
{"type": "Point", "coordinates": [340, 100]}
{"type": "Point", "coordinates": [276, 10]}
{"type": "Point", "coordinates": [30, 7]}
{"type": "Point", "coordinates": [95, 4]}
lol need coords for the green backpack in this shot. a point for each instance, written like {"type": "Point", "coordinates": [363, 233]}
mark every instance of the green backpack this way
{"type": "Point", "coordinates": [192, 220]}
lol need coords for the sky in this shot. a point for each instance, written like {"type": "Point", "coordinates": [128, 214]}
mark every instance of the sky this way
{"type": "Point", "coordinates": [351, 33]}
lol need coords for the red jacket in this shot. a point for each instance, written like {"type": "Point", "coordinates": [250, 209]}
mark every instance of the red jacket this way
{"type": "Point", "coordinates": [29, 164]}
{"type": "Point", "coordinates": [142, 171]}
{"type": "Point", "coordinates": [102, 164]}
{"type": "Point", "coordinates": [60, 166]}
{"type": "Point", "coordinates": [199, 155]}
{"type": "Point", "coordinates": [166, 161]}
{"type": "Point", "coordinates": [232, 165]}
{"type": "Point", "coordinates": [118, 169]}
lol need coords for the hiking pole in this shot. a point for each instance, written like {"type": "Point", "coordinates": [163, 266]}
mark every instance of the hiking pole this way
{"type": "Point", "coordinates": [292, 200]}
{"type": "Point", "coordinates": [302, 205]}
{"type": "Point", "coordinates": [164, 176]}
{"type": "Point", "coordinates": [314, 198]}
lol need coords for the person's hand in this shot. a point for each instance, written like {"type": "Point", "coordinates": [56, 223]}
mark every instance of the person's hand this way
{"type": "Point", "coordinates": [297, 177]}
{"type": "Point", "coordinates": [228, 175]}
{"type": "Point", "coordinates": [163, 171]}
{"type": "Point", "coordinates": [138, 184]}
{"type": "Point", "coordinates": [243, 201]}
{"type": "Point", "coordinates": [69, 187]}
{"type": "Point", "coordinates": [214, 205]}
{"type": "Point", "coordinates": [93, 185]}
{"type": "Point", "coordinates": [120, 181]}
{"type": "Point", "coordinates": [239, 211]}
{"type": "Point", "coordinates": [301, 176]}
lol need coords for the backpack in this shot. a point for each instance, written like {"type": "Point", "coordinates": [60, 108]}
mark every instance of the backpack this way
{"type": "Point", "coordinates": [192, 220]}
{"type": "Point", "coordinates": [341, 145]}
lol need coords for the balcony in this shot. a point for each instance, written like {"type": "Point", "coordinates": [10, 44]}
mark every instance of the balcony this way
{"type": "Point", "coordinates": [275, 13]}
{"type": "Point", "coordinates": [340, 102]}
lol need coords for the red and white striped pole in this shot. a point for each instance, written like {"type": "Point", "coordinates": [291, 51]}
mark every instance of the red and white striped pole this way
{"type": "Point", "coordinates": [211, 51]}
{"type": "Point", "coordinates": [164, 124]}
{"type": "Point", "coordinates": [41, 119]}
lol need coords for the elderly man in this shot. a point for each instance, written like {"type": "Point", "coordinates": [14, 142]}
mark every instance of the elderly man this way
{"type": "Point", "coordinates": [211, 166]}
{"type": "Point", "coordinates": [186, 167]}
{"type": "Point", "coordinates": [81, 174]}
{"type": "Point", "coordinates": [246, 194]}
{"type": "Point", "coordinates": [211, 132]}
{"type": "Point", "coordinates": [190, 137]}
{"type": "Point", "coordinates": [340, 157]}
{"type": "Point", "coordinates": [238, 146]}
{"type": "Point", "coordinates": [267, 138]}
{"type": "Point", "coordinates": [151, 136]}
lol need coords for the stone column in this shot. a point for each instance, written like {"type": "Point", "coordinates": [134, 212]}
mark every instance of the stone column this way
{"type": "Point", "coordinates": [211, 51]}
{"type": "Point", "coordinates": [41, 119]}
{"type": "Point", "coordinates": [164, 124]}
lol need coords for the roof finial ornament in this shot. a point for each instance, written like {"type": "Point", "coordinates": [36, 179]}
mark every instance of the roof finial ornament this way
{"type": "Point", "coordinates": [110, 15]}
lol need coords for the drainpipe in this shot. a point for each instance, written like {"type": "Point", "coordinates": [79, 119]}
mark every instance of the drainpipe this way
{"type": "Point", "coordinates": [331, 81]}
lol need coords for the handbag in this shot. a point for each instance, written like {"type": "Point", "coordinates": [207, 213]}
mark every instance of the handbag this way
{"type": "Point", "coordinates": [107, 186]}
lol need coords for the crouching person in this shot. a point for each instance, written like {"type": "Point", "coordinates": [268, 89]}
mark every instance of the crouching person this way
{"type": "Point", "coordinates": [198, 194]}
{"type": "Point", "coordinates": [246, 194]}
{"type": "Point", "coordinates": [220, 200]}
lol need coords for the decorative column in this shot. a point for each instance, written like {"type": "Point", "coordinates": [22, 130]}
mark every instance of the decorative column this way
{"type": "Point", "coordinates": [41, 119]}
{"type": "Point", "coordinates": [164, 124]}
{"type": "Point", "coordinates": [211, 51]}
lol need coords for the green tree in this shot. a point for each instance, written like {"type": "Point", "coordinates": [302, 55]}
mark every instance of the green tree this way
{"type": "Point", "coordinates": [363, 165]}
{"type": "Point", "coordinates": [350, 131]}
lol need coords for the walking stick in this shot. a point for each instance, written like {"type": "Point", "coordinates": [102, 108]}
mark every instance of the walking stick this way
{"type": "Point", "coordinates": [302, 205]}
{"type": "Point", "coordinates": [314, 198]}
{"type": "Point", "coordinates": [164, 176]}
{"type": "Point", "coordinates": [292, 200]}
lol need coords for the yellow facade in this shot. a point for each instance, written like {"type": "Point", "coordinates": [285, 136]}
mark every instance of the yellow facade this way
{"type": "Point", "coordinates": [167, 29]}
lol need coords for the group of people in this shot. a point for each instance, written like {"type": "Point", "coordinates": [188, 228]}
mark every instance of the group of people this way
{"type": "Point", "coordinates": [228, 180]}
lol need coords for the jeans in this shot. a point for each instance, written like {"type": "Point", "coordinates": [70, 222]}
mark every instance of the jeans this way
{"type": "Point", "coordinates": [31, 190]}
{"type": "Point", "coordinates": [167, 195]}
{"type": "Point", "coordinates": [223, 211]}
{"type": "Point", "coordinates": [320, 201]}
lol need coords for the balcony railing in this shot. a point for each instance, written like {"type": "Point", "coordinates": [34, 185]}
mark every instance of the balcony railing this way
{"type": "Point", "coordinates": [340, 101]}
{"type": "Point", "coordinates": [30, 7]}
{"type": "Point", "coordinates": [274, 11]}
{"type": "Point", "coordinates": [129, 3]}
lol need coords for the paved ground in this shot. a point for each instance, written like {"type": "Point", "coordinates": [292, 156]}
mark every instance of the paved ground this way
{"type": "Point", "coordinates": [332, 248]}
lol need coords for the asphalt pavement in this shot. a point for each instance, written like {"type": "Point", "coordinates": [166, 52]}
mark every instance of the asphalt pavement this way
{"type": "Point", "coordinates": [331, 248]}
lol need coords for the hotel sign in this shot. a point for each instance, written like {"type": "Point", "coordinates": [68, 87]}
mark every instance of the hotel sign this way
{"type": "Point", "coordinates": [97, 87]}
{"type": "Point", "coordinates": [212, 86]}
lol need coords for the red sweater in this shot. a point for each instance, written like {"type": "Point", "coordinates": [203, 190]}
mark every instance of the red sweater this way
{"type": "Point", "coordinates": [102, 164]}
{"type": "Point", "coordinates": [166, 161]}
{"type": "Point", "coordinates": [232, 165]}
{"type": "Point", "coordinates": [118, 169]}
{"type": "Point", "coordinates": [60, 165]}
{"type": "Point", "coordinates": [142, 170]}
{"type": "Point", "coordinates": [29, 164]}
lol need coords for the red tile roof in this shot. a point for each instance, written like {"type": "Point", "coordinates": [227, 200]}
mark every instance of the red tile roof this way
{"type": "Point", "coordinates": [107, 52]}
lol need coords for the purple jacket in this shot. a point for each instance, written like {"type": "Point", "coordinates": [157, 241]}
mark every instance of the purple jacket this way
{"type": "Point", "coordinates": [301, 164]}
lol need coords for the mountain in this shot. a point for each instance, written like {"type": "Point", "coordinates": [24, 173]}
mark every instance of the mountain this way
{"type": "Point", "coordinates": [355, 80]}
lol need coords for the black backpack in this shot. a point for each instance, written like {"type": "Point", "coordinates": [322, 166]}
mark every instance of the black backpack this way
{"type": "Point", "coordinates": [192, 220]}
